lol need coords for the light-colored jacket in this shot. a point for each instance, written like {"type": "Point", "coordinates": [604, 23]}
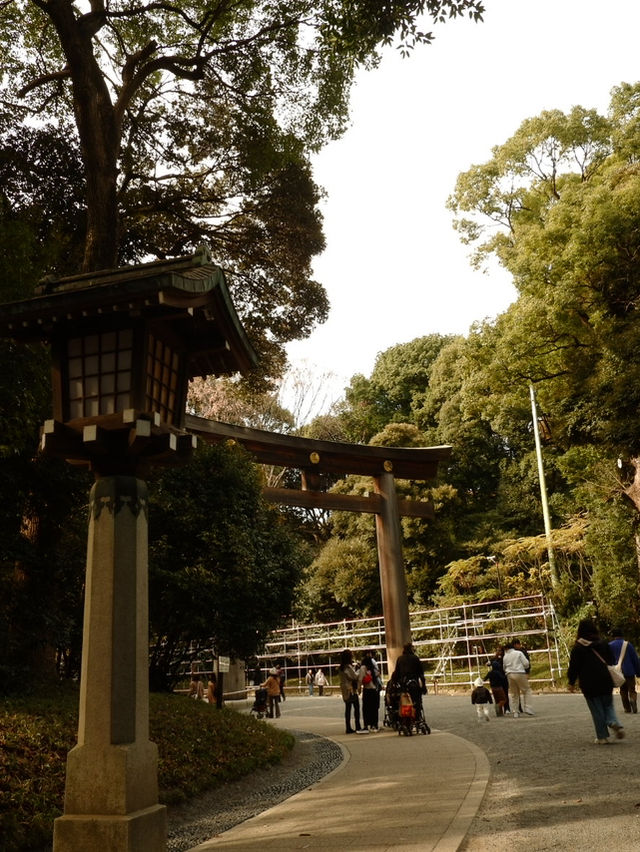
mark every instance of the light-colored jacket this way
{"type": "Point", "coordinates": [514, 662]}
{"type": "Point", "coordinates": [348, 682]}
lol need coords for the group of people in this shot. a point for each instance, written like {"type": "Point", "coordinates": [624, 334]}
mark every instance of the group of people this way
{"type": "Point", "coordinates": [508, 677]}
{"type": "Point", "coordinates": [318, 679]}
{"type": "Point", "coordinates": [589, 664]}
{"type": "Point", "coordinates": [196, 688]}
{"type": "Point", "coordinates": [364, 681]}
{"type": "Point", "coordinates": [589, 667]}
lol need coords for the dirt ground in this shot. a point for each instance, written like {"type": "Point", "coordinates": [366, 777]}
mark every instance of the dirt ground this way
{"type": "Point", "coordinates": [551, 787]}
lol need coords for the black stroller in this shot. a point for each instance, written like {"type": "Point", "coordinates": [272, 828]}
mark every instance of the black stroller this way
{"type": "Point", "coordinates": [260, 707]}
{"type": "Point", "coordinates": [403, 708]}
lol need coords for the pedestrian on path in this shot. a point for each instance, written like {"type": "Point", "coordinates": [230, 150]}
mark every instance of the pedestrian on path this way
{"type": "Point", "coordinates": [309, 681]}
{"type": "Point", "coordinates": [588, 663]}
{"type": "Point", "coordinates": [516, 666]}
{"type": "Point", "coordinates": [320, 681]}
{"type": "Point", "coordinates": [481, 697]}
{"type": "Point", "coordinates": [625, 656]}
{"type": "Point", "coordinates": [272, 685]}
{"type": "Point", "coordinates": [368, 678]}
{"type": "Point", "coordinates": [499, 685]}
{"type": "Point", "coordinates": [349, 690]}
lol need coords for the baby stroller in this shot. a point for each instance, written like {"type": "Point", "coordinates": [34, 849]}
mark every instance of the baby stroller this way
{"type": "Point", "coordinates": [260, 703]}
{"type": "Point", "coordinates": [392, 704]}
{"type": "Point", "coordinates": [405, 708]}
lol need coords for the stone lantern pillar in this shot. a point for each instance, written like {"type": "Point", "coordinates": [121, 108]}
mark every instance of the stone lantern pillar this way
{"type": "Point", "coordinates": [124, 344]}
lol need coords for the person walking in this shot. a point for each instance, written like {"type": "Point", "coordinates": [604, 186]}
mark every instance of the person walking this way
{"type": "Point", "coordinates": [349, 690]}
{"type": "Point", "coordinates": [515, 666]}
{"type": "Point", "coordinates": [409, 673]}
{"type": "Point", "coordinates": [481, 697]}
{"type": "Point", "coordinates": [320, 681]}
{"type": "Point", "coordinates": [309, 681]}
{"type": "Point", "coordinates": [588, 663]}
{"type": "Point", "coordinates": [499, 685]}
{"type": "Point", "coordinates": [626, 657]}
{"type": "Point", "coordinates": [272, 685]}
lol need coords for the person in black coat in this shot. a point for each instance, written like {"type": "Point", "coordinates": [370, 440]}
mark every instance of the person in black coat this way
{"type": "Point", "coordinates": [499, 685]}
{"type": "Point", "coordinates": [588, 665]}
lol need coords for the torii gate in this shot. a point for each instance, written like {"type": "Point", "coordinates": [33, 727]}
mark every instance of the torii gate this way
{"type": "Point", "coordinates": [314, 458]}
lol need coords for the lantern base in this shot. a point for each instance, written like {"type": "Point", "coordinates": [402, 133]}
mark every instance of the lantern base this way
{"type": "Point", "coordinates": [141, 831]}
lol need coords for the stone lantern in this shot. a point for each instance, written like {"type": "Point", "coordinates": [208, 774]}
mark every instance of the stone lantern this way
{"type": "Point", "coordinates": [124, 344]}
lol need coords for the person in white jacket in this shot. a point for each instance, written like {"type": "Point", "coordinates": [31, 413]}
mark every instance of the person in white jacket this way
{"type": "Point", "coordinates": [516, 666]}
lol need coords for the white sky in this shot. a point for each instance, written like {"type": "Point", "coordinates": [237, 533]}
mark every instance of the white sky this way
{"type": "Point", "coordinates": [394, 268]}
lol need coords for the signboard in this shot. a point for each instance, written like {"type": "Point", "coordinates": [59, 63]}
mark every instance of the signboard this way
{"type": "Point", "coordinates": [223, 664]}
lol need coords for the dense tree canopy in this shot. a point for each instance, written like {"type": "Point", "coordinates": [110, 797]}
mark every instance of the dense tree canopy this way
{"type": "Point", "coordinates": [559, 205]}
{"type": "Point", "coordinates": [196, 120]}
{"type": "Point", "coordinates": [223, 564]}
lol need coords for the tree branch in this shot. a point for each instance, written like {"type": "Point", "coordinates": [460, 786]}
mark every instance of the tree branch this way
{"type": "Point", "coordinates": [63, 74]}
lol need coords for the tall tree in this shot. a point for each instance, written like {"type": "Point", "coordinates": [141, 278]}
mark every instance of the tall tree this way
{"type": "Point", "coordinates": [565, 191]}
{"type": "Point", "coordinates": [197, 119]}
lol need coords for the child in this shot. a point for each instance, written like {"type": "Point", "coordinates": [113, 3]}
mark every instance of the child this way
{"type": "Point", "coordinates": [481, 697]}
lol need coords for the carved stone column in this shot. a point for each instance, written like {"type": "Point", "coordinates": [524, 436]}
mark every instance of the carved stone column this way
{"type": "Point", "coordinates": [111, 796]}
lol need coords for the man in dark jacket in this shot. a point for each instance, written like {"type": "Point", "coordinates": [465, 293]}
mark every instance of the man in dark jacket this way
{"type": "Point", "coordinates": [630, 669]}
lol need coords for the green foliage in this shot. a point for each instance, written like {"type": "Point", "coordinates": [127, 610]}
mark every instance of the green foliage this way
{"type": "Point", "coordinates": [42, 562]}
{"type": "Point", "coordinates": [395, 391]}
{"type": "Point", "coordinates": [197, 121]}
{"type": "Point", "coordinates": [343, 580]}
{"type": "Point", "coordinates": [199, 749]}
{"type": "Point", "coordinates": [223, 564]}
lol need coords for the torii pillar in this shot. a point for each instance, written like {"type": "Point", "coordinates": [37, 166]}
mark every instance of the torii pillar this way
{"type": "Point", "coordinates": [393, 582]}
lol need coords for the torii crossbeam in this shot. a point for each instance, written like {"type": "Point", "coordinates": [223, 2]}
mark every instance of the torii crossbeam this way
{"type": "Point", "coordinates": [314, 458]}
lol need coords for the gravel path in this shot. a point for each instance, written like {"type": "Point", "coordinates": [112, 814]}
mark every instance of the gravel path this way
{"type": "Point", "coordinates": [551, 788]}
{"type": "Point", "coordinates": [312, 758]}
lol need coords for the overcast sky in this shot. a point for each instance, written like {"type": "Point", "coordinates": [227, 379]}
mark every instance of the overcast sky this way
{"type": "Point", "coordinates": [394, 268]}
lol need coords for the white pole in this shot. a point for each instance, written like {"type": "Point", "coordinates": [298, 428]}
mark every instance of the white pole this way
{"type": "Point", "coordinates": [543, 490]}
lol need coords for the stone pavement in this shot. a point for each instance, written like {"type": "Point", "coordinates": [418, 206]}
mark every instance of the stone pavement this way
{"type": "Point", "coordinates": [413, 794]}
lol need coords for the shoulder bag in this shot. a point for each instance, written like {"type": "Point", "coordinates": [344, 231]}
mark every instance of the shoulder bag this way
{"type": "Point", "coordinates": [617, 678]}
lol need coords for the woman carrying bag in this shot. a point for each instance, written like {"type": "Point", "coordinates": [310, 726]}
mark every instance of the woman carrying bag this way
{"type": "Point", "coordinates": [590, 657]}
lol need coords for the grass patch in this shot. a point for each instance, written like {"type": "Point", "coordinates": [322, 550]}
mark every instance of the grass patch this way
{"type": "Point", "coordinates": [199, 749]}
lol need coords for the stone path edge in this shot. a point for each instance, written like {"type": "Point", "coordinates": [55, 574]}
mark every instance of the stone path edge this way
{"type": "Point", "coordinates": [459, 826]}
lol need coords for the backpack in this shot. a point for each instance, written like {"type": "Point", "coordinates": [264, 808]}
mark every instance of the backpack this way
{"type": "Point", "coordinates": [406, 709]}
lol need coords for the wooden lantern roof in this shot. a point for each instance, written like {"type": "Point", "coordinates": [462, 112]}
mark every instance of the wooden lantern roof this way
{"type": "Point", "coordinates": [190, 293]}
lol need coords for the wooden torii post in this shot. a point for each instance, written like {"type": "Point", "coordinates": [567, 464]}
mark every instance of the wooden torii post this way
{"type": "Point", "coordinates": [314, 458]}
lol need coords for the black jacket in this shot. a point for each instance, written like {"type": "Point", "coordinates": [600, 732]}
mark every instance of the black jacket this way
{"type": "Point", "coordinates": [409, 666]}
{"type": "Point", "coordinates": [585, 667]}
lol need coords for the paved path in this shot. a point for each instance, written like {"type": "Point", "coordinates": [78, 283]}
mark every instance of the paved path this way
{"type": "Point", "coordinates": [414, 794]}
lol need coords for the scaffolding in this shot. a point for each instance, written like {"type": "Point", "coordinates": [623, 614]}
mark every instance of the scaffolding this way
{"type": "Point", "coordinates": [455, 643]}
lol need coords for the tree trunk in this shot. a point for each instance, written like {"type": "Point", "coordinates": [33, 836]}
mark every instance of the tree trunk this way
{"type": "Point", "coordinates": [100, 136]}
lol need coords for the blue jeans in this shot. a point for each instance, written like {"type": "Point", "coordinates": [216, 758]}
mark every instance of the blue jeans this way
{"type": "Point", "coordinates": [602, 713]}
